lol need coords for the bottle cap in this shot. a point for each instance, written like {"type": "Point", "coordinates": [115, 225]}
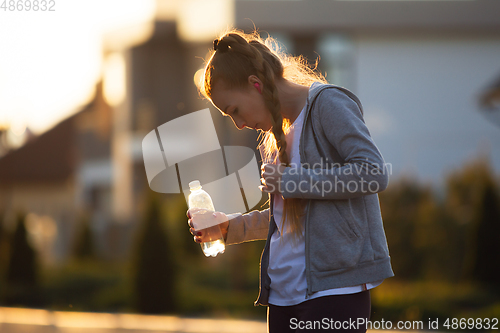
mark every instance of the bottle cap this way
{"type": "Point", "coordinates": [194, 184]}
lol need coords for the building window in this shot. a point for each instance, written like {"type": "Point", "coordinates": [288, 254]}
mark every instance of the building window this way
{"type": "Point", "coordinates": [337, 59]}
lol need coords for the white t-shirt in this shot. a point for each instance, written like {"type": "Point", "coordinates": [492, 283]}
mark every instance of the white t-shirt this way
{"type": "Point", "coordinates": [287, 264]}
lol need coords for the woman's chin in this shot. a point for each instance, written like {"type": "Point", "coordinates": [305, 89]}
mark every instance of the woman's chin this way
{"type": "Point", "coordinates": [265, 129]}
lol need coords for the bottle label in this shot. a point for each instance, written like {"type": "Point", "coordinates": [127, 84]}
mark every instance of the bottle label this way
{"type": "Point", "coordinates": [203, 218]}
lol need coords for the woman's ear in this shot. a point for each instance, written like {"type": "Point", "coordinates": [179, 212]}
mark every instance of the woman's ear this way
{"type": "Point", "coordinates": [254, 81]}
{"type": "Point", "coordinates": [257, 86]}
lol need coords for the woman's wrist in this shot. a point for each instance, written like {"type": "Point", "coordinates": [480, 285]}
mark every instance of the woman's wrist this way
{"type": "Point", "coordinates": [224, 227]}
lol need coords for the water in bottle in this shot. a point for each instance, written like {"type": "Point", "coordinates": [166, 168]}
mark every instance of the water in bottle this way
{"type": "Point", "coordinates": [203, 202]}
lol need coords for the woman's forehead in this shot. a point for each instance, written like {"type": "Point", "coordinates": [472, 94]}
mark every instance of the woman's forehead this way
{"type": "Point", "coordinates": [223, 91]}
{"type": "Point", "coordinates": [221, 98]}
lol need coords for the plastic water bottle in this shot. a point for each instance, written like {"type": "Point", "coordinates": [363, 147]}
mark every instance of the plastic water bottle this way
{"type": "Point", "coordinates": [201, 200]}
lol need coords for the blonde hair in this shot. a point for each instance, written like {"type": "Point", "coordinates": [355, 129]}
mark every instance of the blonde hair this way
{"type": "Point", "coordinates": [239, 55]}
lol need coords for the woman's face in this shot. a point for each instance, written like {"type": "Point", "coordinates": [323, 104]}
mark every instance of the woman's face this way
{"type": "Point", "coordinates": [246, 106]}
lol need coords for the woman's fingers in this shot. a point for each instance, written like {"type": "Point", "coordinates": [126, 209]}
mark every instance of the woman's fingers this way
{"type": "Point", "coordinates": [195, 232]}
{"type": "Point", "coordinates": [190, 222]}
{"type": "Point", "coordinates": [271, 178]}
{"type": "Point", "coordinates": [197, 235]}
{"type": "Point", "coordinates": [264, 189]}
{"type": "Point", "coordinates": [270, 173]}
{"type": "Point", "coordinates": [202, 235]}
{"type": "Point", "coordinates": [272, 169]}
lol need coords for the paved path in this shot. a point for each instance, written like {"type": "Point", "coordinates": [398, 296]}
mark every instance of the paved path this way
{"type": "Point", "coordinates": [18, 320]}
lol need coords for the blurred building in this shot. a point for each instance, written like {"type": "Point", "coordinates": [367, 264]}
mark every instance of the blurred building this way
{"type": "Point", "coordinates": [52, 178]}
{"type": "Point", "coordinates": [419, 68]}
{"type": "Point", "coordinates": [490, 99]}
{"type": "Point", "coordinates": [4, 146]}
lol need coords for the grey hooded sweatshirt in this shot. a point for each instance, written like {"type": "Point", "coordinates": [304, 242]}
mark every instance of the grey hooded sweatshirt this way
{"type": "Point", "coordinates": [340, 174]}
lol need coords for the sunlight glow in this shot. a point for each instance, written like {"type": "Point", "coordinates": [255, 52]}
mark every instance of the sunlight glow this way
{"type": "Point", "coordinates": [114, 79]}
{"type": "Point", "coordinates": [201, 20]}
{"type": "Point", "coordinates": [51, 61]}
{"type": "Point", "coordinates": [198, 76]}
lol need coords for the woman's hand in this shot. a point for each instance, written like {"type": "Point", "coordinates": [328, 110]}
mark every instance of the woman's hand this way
{"type": "Point", "coordinates": [199, 235]}
{"type": "Point", "coordinates": [271, 178]}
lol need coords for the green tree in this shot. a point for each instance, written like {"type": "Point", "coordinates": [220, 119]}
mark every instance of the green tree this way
{"type": "Point", "coordinates": [3, 244]}
{"type": "Point", "coordinates": [472, 200]}
{"type": "Point", "coordinates": [22, 270]}
{"type": "Point", "coordinates": [174, 209]}
{"type": "Point", "coordinates": [3, 252]}
{"type": "Point", "coordinates": [154, 282]}
{"type": "Point", "coordinates": [486, 259]}
{"type": "Point", "coordinates": [400, 206]}
{"type": "Point", "coordinates": [84, 243]}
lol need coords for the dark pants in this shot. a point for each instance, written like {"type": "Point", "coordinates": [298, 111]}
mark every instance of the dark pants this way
{"type": "Point", "coordinates": [322, 314]}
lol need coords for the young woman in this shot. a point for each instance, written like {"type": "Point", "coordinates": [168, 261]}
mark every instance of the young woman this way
{"type": "Point", "coordinates": [326, 245]}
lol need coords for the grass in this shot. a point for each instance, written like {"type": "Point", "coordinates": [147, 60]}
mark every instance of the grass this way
{"type": "Point", "coordinates": [423, 300]}
{"type": "Point", "coordinates": [208, 289]}
{"type": "Point", "coordinates": [87, 286]}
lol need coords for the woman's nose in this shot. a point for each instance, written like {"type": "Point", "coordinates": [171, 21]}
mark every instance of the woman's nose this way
{"type": "Point", "coordinates": [239, 123]}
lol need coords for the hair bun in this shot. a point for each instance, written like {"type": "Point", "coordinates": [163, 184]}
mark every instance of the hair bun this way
{"type": "Point", "coordinates": [221, 45]}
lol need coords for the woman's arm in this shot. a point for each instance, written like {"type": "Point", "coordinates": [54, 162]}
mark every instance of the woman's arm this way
{"type": "Point", "coordinates": [247, 227]}
{"type": "Point", "coordinates": [364, 172]}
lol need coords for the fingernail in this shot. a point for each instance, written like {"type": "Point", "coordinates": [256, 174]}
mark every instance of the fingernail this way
{"type": "Point", "coordinates": [198, 233]}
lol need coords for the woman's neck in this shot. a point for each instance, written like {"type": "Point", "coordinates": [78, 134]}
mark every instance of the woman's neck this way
{"type": "Point", "coordinates": [293, 98]}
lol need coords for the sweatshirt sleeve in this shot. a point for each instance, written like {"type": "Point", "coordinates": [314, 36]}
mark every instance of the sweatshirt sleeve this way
{"type": "Point", "coordinates": [247, 227]}
{"type": "Point", "coordinates": [364, 170]}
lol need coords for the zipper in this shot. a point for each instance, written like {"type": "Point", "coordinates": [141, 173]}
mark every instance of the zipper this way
{"type": "Point", "coordinates": [309, 105]}
{"type": "Point", "coordinates": [308, 261]}
{"type": "Point", "coordinates": [267, 283]}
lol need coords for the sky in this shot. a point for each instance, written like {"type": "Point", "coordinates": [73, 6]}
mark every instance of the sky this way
{"type": "Point", "coordinates": [50, 61]}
